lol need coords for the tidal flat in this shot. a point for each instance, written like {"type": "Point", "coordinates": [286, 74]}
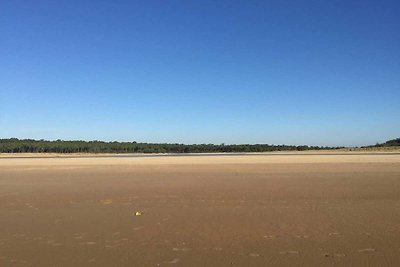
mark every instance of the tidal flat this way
{"type": "Point", "coordinates": [249, 210]}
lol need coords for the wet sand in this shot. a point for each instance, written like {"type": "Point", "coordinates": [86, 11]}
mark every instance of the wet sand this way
{"type": "Point", "coordinates": [283, 210]}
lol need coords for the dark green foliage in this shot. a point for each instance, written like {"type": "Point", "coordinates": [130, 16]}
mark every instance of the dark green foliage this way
{"type": "Point", "coordinates": [14, 145]}
{"type": "Point", "coordinates": [393, 142]}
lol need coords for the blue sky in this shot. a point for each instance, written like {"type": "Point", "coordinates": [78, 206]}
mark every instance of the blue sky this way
{"type": "Point", "coordinates": [293, 72]}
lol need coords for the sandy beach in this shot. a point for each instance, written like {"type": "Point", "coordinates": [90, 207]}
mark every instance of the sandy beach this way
{"type": "Point", "coordinates": [246, 210]}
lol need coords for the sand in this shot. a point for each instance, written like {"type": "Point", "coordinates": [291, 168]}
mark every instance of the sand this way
{"type": "Point", "coordinates": [255, 210]}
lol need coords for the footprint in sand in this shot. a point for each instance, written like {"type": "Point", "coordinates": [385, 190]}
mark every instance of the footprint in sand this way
{"type": "Point", "coordinates": [181, 249]}
{"type": "Point", "coordinates": [19, 235]}
{"type": "Point", "coordinates": [334, 234]}
{"type": "Point", "coordinates": [270, 236]}
{"type": "Point", "coordinates": [335, 255]}
{"type": "Point", "coordinates": [290, 252]}
{"type": "Point", "coordinates": [302, 236]}
{"type": "Point", "coordinates": [366, 250]}
{"type": "Point", "coordinates": [18, 261]}
{"type": "Point", "coordinates": [122, 240]}
{"type": "Point", "coordinates": [176, 260]}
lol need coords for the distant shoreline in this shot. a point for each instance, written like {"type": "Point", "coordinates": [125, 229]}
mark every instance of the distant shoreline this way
{"type": "Point", "coordinates": [342, 151]}
{"type": "Point", "coordinates": [80, 147]}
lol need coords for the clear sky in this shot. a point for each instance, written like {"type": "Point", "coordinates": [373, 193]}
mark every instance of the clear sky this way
{"type": "Point", "coordinates": [294, 72]}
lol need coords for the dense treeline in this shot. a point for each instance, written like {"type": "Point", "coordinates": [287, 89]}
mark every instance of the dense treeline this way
{"type": "Point", "coordinates": [393, 142]}
{"type": "Point", "coordinates": [14, 145]}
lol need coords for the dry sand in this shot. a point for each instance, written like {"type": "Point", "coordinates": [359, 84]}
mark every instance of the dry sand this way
{"type": "Point", "coordinates": [256, 210]}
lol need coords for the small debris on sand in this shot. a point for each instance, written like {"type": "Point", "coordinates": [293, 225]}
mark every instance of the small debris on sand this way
{"type": "Point", "coordinates": [107, 201]}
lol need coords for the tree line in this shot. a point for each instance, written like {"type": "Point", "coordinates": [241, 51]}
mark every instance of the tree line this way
{"type": "Point", "coordinates": [15, 145]}
{"type": "Point", "coordinates": [393, 142]}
